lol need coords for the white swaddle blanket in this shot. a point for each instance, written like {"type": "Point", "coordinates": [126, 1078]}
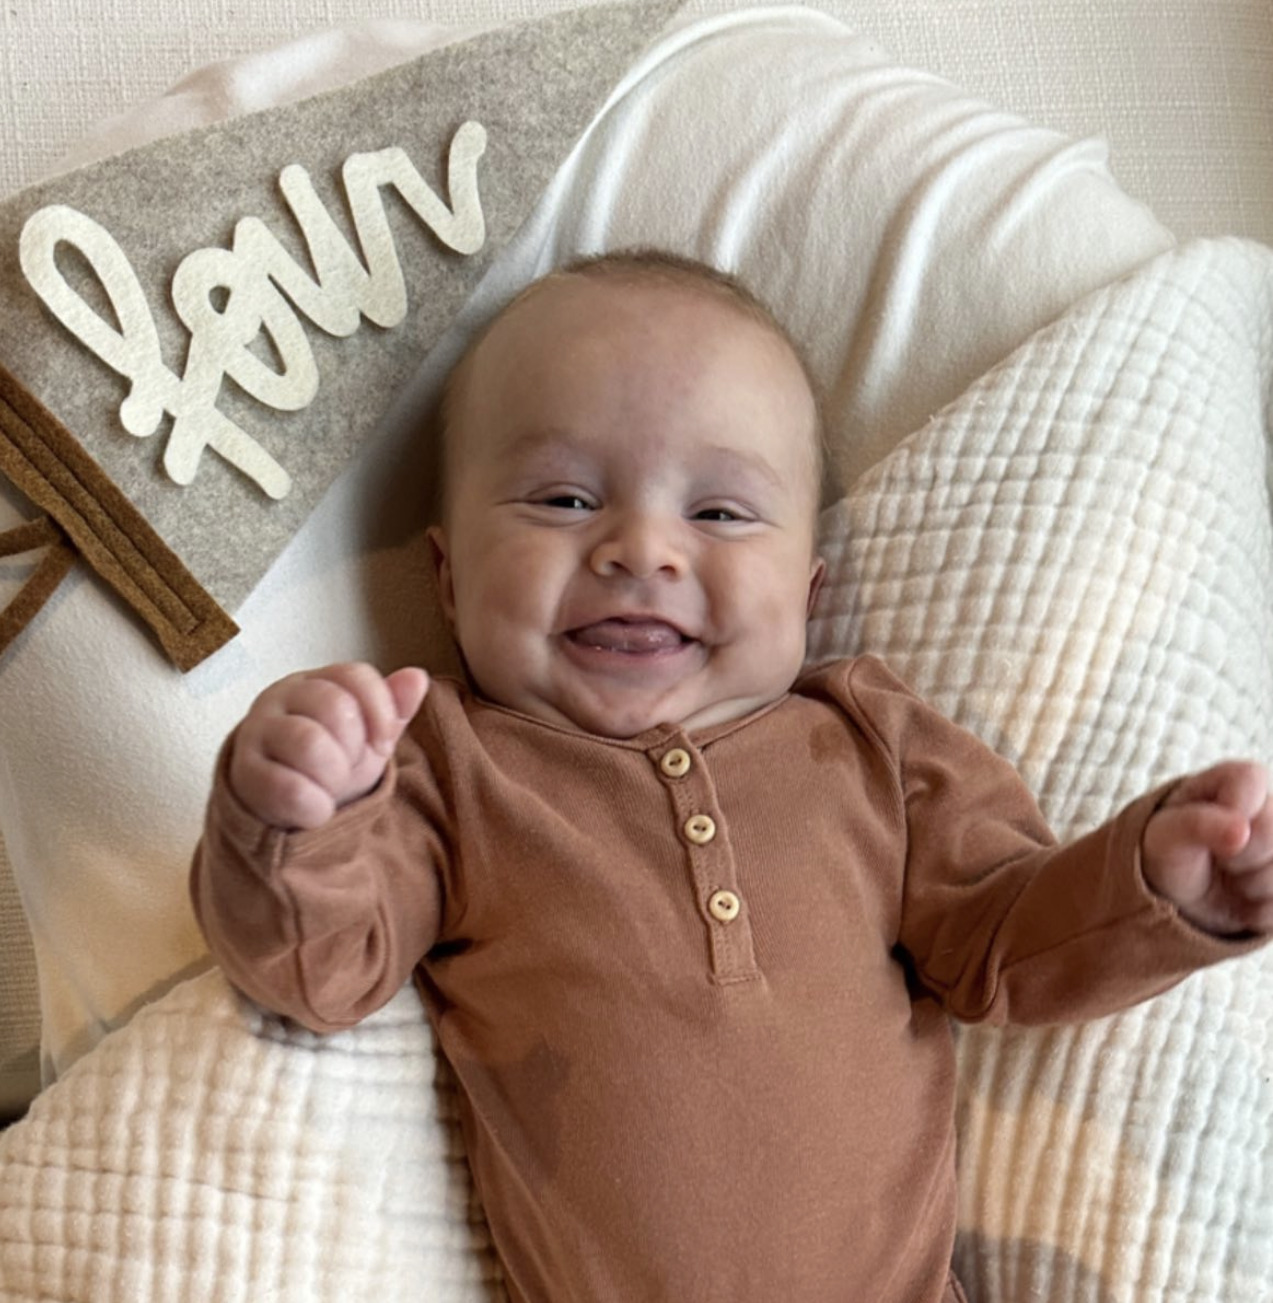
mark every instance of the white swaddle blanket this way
{"type": "Point", "coordinates": [1075, 559]}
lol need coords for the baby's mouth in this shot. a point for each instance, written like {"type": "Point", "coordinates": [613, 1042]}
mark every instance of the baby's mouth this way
{"type": "Point", "coordinates": [637, 637]}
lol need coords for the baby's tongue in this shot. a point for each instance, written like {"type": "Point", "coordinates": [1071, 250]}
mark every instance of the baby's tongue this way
{"type": "Point", "coordinates": [628, 635]}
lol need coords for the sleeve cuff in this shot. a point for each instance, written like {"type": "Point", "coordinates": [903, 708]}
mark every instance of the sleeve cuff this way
{"type": "Point", "coordinates": [245, 829]}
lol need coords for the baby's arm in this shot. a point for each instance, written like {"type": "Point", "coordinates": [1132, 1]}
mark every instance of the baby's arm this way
{"type": "Point", "coordinates": [316, 903]}
{"type": "Point", "coordinates": [1209, 849]}
{"type": "Point", "coordinates": [1004, 924]}
{"type": "Point", "coordinates": [317, 740]}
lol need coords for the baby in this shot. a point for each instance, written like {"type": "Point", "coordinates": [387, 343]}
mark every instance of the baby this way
{"type": "Point", "coordinates": [690, 922]}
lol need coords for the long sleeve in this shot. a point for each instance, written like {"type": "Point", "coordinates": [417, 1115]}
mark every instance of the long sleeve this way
{"type": "Point", "coordinates": [997, 920]}
{"type": "Point", "coordinates": [324, 926]}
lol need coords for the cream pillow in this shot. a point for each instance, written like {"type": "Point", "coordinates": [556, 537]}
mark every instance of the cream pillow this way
{"type": "Point", "coordinates": [910, 235]}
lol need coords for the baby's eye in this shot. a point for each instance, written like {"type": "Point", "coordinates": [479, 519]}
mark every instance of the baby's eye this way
{"type": "Point", "coordinates": [567, 502]}
{"type": "Point", "coordinates": [717, 514]}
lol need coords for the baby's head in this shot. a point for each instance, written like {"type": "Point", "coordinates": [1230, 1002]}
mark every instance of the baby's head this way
{"type": "Point", "coordinates": [633, 468]}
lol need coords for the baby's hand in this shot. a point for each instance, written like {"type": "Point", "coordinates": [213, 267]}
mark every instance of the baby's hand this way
{"type": "Point", "coordinates": [315, 741]}
{"type": "Point", "coordinates": [1209, 849]}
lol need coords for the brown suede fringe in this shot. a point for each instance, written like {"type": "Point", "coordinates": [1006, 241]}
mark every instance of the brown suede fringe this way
{"type": "Point", "coordinates": [45, 462]}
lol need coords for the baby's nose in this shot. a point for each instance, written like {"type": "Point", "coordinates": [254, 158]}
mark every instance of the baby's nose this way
{"type": "Point", "coordinates": [640, 545]}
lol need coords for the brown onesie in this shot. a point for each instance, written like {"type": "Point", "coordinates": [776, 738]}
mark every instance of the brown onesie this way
{"type": "Point", "coordinates": [696, 988]}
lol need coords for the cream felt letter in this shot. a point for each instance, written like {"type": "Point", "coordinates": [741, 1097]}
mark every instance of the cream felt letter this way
{"type": "Point", "coordinates": [228, 298]}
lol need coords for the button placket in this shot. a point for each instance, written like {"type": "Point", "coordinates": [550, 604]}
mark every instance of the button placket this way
{"type": "Point", "coordinates": [710, 860]}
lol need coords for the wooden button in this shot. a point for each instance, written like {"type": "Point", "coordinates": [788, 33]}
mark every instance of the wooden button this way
{"type": "Point", "coordinates": [700, 829]}
{"type": "Point", "coordinates": [675, 763]}
{"type": "Point", "coordinates": [724, 906]}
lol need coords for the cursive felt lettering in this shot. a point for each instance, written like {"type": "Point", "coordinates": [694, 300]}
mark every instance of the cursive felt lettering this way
{"type": "Point", "coordinates": [228, 298]}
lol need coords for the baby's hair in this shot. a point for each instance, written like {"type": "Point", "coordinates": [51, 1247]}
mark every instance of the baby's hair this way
{"type": "Point", "coordinates": [645, 266]}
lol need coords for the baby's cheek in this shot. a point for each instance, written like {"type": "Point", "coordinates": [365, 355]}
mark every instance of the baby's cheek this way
{"type": "Point", "coordinates": [520, 592]}
{"type": "Point", "coordinates": [779, 605]}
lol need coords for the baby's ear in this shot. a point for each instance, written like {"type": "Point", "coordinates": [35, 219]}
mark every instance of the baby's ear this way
{"type": "Point", "coordinates": [439, 551]}
{"type": "Point", "coordinates": [816, 576]}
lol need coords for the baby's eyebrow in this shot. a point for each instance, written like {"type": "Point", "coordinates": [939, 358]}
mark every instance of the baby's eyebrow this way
{"type": "Point", "coordinates": [721, 457]}
{"type": "Point", "coordinates": [531, 443]}
{"type": "Point", "coordinates": [560, 451]}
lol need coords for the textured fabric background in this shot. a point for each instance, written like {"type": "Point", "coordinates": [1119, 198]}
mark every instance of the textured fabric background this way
{"type": "Point", "coordinates": [1180, 89]}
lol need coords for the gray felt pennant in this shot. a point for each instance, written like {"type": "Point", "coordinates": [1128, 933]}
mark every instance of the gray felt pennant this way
{"type": "Point", "coordinates": [197, 335]}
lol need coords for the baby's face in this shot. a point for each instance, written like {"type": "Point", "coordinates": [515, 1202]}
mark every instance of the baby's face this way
{"type": "Point", "coordinates": [629, 536]}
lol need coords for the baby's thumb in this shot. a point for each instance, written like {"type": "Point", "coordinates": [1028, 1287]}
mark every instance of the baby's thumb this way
{"type": "Point", "coordinates": [408, 687]}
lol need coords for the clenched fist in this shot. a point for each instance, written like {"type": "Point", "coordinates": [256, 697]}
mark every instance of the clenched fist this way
{"type": "Point", "coordinates": [1209, 849]}
{"type": "Point", "coordinates": [317, 740]}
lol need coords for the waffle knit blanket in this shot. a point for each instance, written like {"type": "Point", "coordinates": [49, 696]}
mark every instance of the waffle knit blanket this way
{"type": "Point", "coordinates": [1075, 559]}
